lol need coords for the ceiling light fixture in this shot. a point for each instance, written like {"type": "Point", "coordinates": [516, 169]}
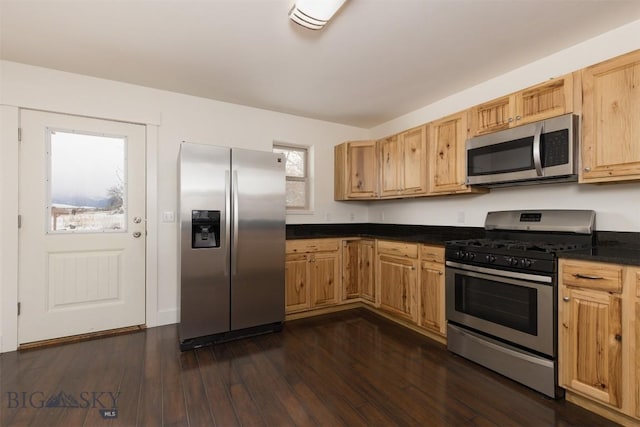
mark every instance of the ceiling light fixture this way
{"type": "Point", "coordinates": [314, 14]}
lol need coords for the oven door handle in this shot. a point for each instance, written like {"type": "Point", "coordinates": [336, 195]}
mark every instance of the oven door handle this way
{"type": "Point", "coordinates": [537, 158]}
{"type": "Point", "coordinates": [501, 273]}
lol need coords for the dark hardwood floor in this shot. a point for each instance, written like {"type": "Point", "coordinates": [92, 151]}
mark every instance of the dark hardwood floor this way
{"type": "Point", "coordinates": [345, 369]}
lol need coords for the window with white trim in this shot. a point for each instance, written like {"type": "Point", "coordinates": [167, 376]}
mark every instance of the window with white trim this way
{"type": "Point", "coordinates": [297, 172]}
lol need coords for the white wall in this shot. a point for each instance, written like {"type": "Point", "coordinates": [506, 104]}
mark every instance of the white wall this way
{"type": "Point", "coordinates": [617, 206]}
{"type": "Point", "coordinates": [171, 118]}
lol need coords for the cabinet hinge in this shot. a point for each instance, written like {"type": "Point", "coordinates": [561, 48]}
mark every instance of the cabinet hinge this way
{"type": "Point", "coordinates": [19, 221]}
{"type": "Point", "coordinates": [18, 309]}
{"type": "Point", "coordinates": [19, 134]}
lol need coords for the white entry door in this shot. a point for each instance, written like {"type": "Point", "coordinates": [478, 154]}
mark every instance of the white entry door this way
{"type": "Point", "coordinates": [82, 234]}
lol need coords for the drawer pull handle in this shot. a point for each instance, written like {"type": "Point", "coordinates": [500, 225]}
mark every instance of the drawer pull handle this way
{"type": "Point", "coordinates": [587, 276]}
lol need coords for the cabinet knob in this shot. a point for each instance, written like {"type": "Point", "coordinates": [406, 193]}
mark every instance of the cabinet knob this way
{"type": "Point", "coordinates": [618, 337]}
{"type": "Point", "coordinates": [510, 119]}
{"type": "Point", "coordinates": [565, 299]}
{"type": "Point", "coordinates": [587, 169]}
{"type": "Point", "coordinates": [440, 273]}
{"type": "Point", "coordinates": [518, 117]}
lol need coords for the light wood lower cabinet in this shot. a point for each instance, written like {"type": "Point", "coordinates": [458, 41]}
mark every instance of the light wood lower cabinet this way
{"type": "Point", "coordinates": [431, 314]}
{"type": "Point", "coordinates": [405, 281]}
{"type": "Point", "coordinates": [598, 317]}
{"type": "Point", "coordinates": [397, 278]}
{"type": "Point", "coordinates": [312, 274]}
{"type": "Point", "coordinates": [358, 270]}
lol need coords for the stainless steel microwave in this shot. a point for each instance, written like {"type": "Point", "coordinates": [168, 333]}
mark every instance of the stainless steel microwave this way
{"type": "Point", "coordinates": [544, 151]}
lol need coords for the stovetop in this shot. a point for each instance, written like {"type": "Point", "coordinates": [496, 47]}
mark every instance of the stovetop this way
{"type": "Point", "coordinates": [525, 240]}
{"type": "Point", "coordinates": [517, 245]}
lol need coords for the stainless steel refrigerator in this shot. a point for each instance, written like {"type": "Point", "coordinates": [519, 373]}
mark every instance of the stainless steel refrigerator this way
{"type": "Point", "coordinates": [232, 243]}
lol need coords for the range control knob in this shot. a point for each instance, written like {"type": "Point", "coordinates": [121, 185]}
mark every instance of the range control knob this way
{"type": "Point", "coordinates": [458, 254]}
{"type": "Point", "coordinates": [470, 255]}
{"type": "Point", "coordinates": [525, 262]}
{"type": "Point", "coordinates": [490, 258]}
{"type": "Point", "coordinates": [511, 260]}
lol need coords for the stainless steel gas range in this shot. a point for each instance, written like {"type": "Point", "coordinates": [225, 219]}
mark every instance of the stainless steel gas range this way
{"type": "Point", "coordinates": [501, 292]}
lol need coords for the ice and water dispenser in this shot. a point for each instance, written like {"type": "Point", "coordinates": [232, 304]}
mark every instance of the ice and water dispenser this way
{"type": "Point", "coordinates": [205, 229]}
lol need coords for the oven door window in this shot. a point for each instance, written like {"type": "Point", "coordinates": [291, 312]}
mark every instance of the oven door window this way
{"type": "Point", "coordinates": [509, 305]}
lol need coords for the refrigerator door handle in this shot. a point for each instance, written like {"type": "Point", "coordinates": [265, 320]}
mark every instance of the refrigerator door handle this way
{"type": "Point", "coordinates": [227, 213]}
{"type": "Point", "coordinates": [234, 255]}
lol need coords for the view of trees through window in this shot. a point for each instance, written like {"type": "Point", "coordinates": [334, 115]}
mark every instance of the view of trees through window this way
{"type": "Point", "coordinates": [297, 175]}
{"type": "Point", "coordinates": [86, 182]}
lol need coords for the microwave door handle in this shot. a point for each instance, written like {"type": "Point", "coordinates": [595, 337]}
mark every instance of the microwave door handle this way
{"type": "Point", "coordinates": [537, 161]}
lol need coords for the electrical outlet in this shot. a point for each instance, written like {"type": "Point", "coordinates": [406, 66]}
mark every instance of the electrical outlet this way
{"type": "Point", "coordinates": [352, 216]}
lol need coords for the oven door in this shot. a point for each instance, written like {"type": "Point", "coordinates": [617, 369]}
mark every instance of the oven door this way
{"type": "Point", "coordinates": [515, 307]}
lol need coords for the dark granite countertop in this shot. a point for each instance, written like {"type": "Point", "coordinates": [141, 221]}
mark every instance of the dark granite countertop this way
{"type": "Point", "coordinates": [610, 246]}
{"type": "Point", "coordinates": [428, 234]}
{"type": "Point", "coordinates": [613, 247]}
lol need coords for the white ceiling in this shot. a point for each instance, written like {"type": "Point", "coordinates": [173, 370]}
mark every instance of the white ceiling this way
{"type": "Point", "coordinates": [377, 59]}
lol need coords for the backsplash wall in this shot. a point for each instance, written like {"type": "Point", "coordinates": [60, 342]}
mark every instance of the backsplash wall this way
{"type": "Point", "coordinates": [617, 205]}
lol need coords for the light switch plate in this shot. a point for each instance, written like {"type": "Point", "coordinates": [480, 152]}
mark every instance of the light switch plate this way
{"type": "Point", "coordinates": [168, 216]}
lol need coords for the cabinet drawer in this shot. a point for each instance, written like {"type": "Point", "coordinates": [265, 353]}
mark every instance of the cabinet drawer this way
{"type": "Point", "coordinates": [432, 253]}
{"type": "Point", "coordinates": [312, 245]}
{"type": "Point", "coordinates": [592, 275]}
{"type": "Point", "coordinates": [409, 250]}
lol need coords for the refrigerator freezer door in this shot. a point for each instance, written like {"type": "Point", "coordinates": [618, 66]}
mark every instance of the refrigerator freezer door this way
{"type": "Point", "coordinates": [204, 269]}
{"type": "Point", "coordinates": [258, 233]}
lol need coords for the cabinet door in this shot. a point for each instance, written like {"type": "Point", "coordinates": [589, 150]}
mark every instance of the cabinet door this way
{"type": "Point", "coordinates": [548, 99]}
{"type": "Point", "coordinates": [350, 270]}
{"type": "Point", "coordinates": [324, 274]}
{"type": "Point", "coordinates": [447, 154]}
{"type": "Point", "coordinates": [366, 270]}
{"type": "Point", "coordinates": [491, 116]}
{"type": "Point", "coordinates": [363, 167]}
{"type": "Point", "coordinates": [297, 291]}
{"type": "Point", "coordinates": [398, 282]}
{"type": "Point", "coordinates": [591, 344]}
{"type": "Point", "coordinates": [413, 167]}
{"type": "Point", "coordinates": [610, 117]}
{"type": "Point", "coordinates": [431, 298]}
{"type": "Point", "coordinates": [389, 152]}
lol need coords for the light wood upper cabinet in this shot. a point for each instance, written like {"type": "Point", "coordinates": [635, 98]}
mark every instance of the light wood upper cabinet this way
{"type": "Point", "coordinates": [549, 99]}
{"type": "Point", "coordinates": [356, 170]}
{"type": "Point", "coordinates": [403, 163]}
{"type": "Point", "coordinates": [447, 139]}
{"type": "Point", "coordinates": [610, 120]}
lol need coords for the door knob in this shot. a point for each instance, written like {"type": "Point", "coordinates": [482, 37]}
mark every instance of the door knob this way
{"type": "Point", "coordinates": [137, 219]}
{"type": "Point", "coordinates": [137, 234]}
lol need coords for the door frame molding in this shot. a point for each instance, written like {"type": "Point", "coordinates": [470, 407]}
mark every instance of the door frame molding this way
{"type": "Point", "coordinates": [9, 194]}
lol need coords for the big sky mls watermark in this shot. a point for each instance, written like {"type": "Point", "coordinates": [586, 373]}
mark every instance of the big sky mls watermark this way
{"type": "Point", "coordinates": [106, 402]}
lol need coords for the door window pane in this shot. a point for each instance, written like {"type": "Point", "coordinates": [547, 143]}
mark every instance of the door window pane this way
{"type": "Point", "coordinates": [87, 182]}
